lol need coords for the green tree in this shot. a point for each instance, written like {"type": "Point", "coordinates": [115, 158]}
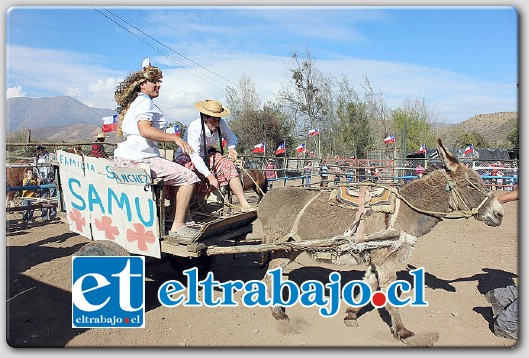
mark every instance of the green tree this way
{"type": "Point", "coordinates": [466, 138]}
{"type": "Point", "coordinates": [353, 126]}
{"type": "Point", "coordinates": [514, 137]}
{"type": "Point", "coordinates": [172, 145]}
{"type": "Point", "coordinates": [413, 120]}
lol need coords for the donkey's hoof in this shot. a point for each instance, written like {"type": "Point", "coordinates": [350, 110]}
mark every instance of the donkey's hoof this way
{"type": "Point", "coordinates": [351, 322]}
{"type": "Point", "coordinates": [421, 339]}
{"type": "Point", "coordinates": [279, 314]}
{"type": "Point", "coordinates": [403, 333]}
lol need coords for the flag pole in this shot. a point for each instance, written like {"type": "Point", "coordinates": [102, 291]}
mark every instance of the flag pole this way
{"type": "Point", "coordinates": [319, 145]}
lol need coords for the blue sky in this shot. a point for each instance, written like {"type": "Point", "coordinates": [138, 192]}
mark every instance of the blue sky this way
{"type": "Point", "coordinates": [462, 61]}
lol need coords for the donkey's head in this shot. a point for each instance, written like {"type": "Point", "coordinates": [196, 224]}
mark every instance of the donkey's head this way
{"type": "Point", "coordinates": [469, 194]}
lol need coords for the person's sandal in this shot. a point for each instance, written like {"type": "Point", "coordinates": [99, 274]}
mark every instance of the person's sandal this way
{"type": "Point", "coordinates": [185, 232]}
{"type": "Point", "coordinates": [247, 209]}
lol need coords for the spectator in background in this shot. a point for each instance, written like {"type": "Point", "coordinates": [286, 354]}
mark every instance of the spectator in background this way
{"type": "Point", "coordinates": [98, 150]}
{"type": "Point", "coordinates": [307, 173]}
{"type": "Point", "coordinates": [337, 175]}
{"type": "Point", "coordinates": [45, 173]}
{"type": "Point", "coordinates": [29, 196]}
{"type": "Point", "coordinates": [271, 172]}
{"type": "Point", "coordinates": [419, 169]}
{"type": "Point", "coordinates": [324, 174]}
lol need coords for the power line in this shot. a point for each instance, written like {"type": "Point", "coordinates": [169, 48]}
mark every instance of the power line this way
{"type": "Point", "coordinates": [171, 58]}
{"type": "Point", "coordinates": [179, 54]}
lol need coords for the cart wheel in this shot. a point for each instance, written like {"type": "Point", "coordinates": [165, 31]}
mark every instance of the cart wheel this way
{"type": "Point", "coordinates": [102, 248]}
{"type": "Point", "coordinates": [202, 263]}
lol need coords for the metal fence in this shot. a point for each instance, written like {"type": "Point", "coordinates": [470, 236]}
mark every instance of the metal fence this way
{"type": "Point", "coordinates": [497, 175]}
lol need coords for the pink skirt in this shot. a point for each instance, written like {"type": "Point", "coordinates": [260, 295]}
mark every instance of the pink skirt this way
{"type": "Point", "coordinates": [173, 174]}
{"type": "Point", "coordinates": [223, 168]}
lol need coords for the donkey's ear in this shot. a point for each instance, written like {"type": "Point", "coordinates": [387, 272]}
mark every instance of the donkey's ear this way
{"type": "Point", "coordinates": [450, 162]}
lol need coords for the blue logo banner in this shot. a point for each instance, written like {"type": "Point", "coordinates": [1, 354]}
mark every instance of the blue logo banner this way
{"type": "Point", "coordinates": [108, 291]}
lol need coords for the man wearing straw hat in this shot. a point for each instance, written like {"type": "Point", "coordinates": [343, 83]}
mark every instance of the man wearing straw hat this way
{"type": "Point", "coordinates": [98, 150]}
{"type": "Point", "coordinates": [203, 134]}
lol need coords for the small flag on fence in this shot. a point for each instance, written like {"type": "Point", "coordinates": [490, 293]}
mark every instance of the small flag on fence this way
{"type": "Point", "coordinates": [300, 148]}
{"type": "Point", "coordinates": [173, 130]}
{"type": "Point", "coordinates": [389, 139]}
{"type": "Point", "coordinates": [313, 132]}
{"type": "Point", "coordinates": [109, 123]}
{"type": "Point", "coordinates": [258, 148]}
{"type": "Point", "coordinates": [422, 149]}
{"type": "Point", "coordinates": [469, 149]}
{"type": "Point", "coordinates": [280, 149]}
{"type": "Point", "coordinates": [312, 153]}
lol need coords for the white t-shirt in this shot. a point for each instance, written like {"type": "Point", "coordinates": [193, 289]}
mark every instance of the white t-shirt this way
{"type": "Point", "coordinates": [136, 147]}
{"type": "Point", "coordinates": [193, 136]}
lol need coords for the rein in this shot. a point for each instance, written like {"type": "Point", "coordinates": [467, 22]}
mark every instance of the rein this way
{"type": "Point", "coordinates": [241, 168]}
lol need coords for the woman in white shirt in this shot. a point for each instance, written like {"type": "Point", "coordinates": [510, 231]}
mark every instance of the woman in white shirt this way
{"type": "Point", "coordinates": [143, 123]}
{"type": "Point", "coordinates": [202, 135]}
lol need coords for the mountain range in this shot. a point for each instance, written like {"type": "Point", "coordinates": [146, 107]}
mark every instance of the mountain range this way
{"type": "Point", "coordinates": [65, 119]}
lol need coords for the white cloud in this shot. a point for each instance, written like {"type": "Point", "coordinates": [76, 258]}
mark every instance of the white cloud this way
{"type": "Point", "coordinates": [52, 73]}
{"type": "Point", "coordinates": [15, 92]}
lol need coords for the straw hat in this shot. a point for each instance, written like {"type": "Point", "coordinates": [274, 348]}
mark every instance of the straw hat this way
{"type": "Point", "coordinates": [101, 135]}
{"type": "Point", "coordinates": [212, 108]}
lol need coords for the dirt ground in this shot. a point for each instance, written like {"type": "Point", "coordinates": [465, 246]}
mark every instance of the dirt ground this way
{"type": "Point", "coordinates": [463, 260]}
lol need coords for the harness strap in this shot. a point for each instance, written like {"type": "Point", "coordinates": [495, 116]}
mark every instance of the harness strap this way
{"type": "Point", "coordinates": [294, 231]}
{"type": "Point", "coordinates": [359, 222]}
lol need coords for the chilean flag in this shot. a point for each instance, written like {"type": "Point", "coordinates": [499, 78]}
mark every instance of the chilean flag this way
{"type": "Point", "coordinates": [300, 148]}
{"type": "Point", "coordinates": [313, 132]}
{"type": "Point", "coordinates": [258, 148]}
{"type": "Point", "coordinates": [280, 149]}
{"type": "Point", "coordinates": [174, 130]}
{"type": "Point", "coordinates": [469, 149]}
{"type": "Point", "coordinates": [389, 139]}
{"type": "Point", "coordinates": [109, 123]}
{"type": "Point", "coordinates": [422, 149]}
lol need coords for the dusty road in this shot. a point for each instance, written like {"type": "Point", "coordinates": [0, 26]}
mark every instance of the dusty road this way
{"type": "Point", "coordinates": [463, 260]}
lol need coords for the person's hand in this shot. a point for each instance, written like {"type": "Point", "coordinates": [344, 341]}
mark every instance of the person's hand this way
{"type": "Point", "coordinates": [184, 145]}
{"type": "Point", "coordinates": [232, 154]}
{"type": "Point", "coordinates": [213, 181]}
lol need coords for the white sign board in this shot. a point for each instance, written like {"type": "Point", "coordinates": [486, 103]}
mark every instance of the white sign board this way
{"type": "Point", "coordinates": [105, 202]}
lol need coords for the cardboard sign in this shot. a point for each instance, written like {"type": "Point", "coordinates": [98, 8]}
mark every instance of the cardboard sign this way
{"type": "Point", "coordinates": [105, 202]}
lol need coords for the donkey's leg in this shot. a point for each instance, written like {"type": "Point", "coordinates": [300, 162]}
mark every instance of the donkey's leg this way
{"type": "Point", "coordinates": [386, 276]}
{"type": "Point", "coordinates": [278, 259]}
{"type": "Point", "coordinates": [370, 278]}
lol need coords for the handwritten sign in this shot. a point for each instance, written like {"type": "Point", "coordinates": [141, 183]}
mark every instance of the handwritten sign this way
{"type": "Point", "coordinates": [105, 202]}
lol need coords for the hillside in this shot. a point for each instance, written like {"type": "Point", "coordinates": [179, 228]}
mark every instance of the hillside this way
{"type": "Point", "coordinates": [494, 127]}
{"type": "Point", "coordinates": [65, 119]}
{"type": "Point", "coordinates": [49, 112]}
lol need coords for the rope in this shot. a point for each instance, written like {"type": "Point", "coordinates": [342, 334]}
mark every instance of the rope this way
{"type": "Point", "coordinates": [239, 166]}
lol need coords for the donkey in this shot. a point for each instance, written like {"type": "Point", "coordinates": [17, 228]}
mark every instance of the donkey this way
{"type": "Point", "coordinates": [256, 180]}
{"type": "Point", "coordinates": [14, 177]}
{"type": "Point", "coordinates": [298, 214]}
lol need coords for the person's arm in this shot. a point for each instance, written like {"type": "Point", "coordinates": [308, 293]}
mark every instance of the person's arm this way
{"type": "Point", "coordinates": [230, 137]}
{"type": "Point", "coordinates": [510, 196]}
{"type": "Point", "coordinates": [148, 131]}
